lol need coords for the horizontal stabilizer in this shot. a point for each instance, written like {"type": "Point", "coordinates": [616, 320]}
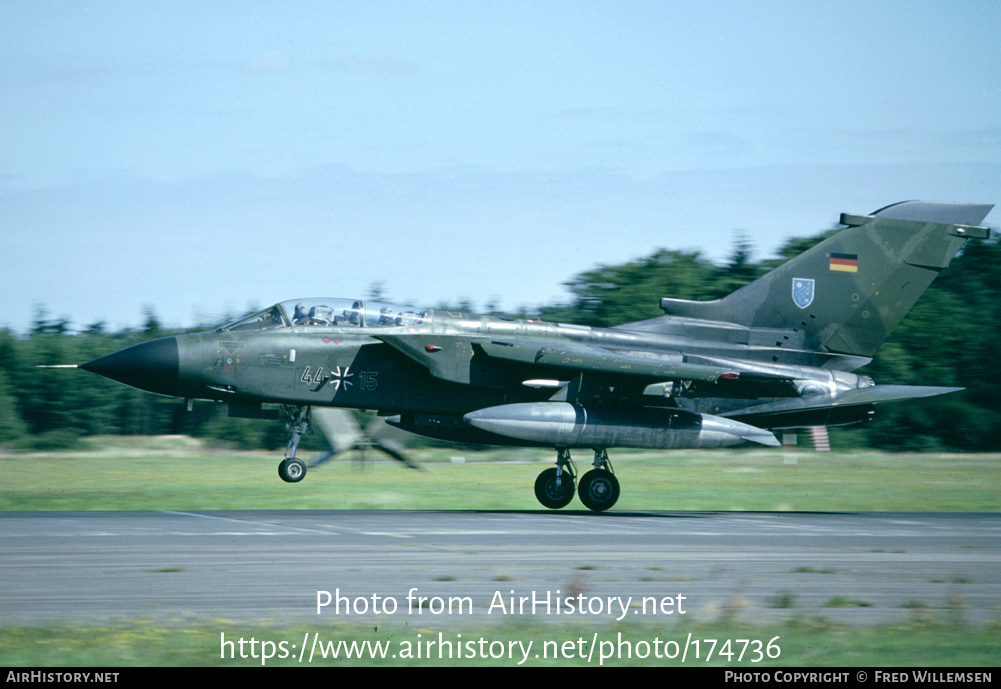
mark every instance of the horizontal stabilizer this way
{"type": "Point", "coordinates": [797, 412]}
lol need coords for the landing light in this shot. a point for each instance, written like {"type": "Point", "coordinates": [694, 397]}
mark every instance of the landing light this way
{"type": "Point", "coordinates": [544, 383]}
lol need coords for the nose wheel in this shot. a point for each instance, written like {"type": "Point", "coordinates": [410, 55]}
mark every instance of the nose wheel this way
{"type": "Point", "coordinates": [292, 470]}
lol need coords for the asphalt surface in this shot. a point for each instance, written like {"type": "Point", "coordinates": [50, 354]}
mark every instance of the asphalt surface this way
{"type": "Point", "coordinates": [861, 568]}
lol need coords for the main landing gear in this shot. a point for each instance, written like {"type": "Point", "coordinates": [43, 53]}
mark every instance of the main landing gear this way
{"type": "Point", "coordinates": [598, 489]}
{"type": "Point", "coordinates": [292, 469]}
{"type": "Point", "coordinates": [555, 487]}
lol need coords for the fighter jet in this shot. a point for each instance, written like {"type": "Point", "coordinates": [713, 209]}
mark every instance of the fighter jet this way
{"type": "Point", "coordinates": [778, 354]}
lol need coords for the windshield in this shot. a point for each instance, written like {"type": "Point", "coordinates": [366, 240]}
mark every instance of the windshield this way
{"type": "Point", "coordinates": [331, 312]}
{"type": "Point", "coordinates": [263, 320]}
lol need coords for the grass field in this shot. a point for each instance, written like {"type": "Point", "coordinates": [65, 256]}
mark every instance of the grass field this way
{"type": "Point", "coordinates": [173, 473]}
{"type": "Point", "coordinates": [180, 473]}
{"type": "Point", "coordinates": [799, 643]}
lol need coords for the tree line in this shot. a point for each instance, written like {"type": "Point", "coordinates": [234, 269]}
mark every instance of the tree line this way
{"type": "Point", "coordinates": [951, 338]}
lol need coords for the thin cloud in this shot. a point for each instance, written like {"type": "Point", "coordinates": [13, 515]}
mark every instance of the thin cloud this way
{"type": "Point", "coordinates": [371, 66]}
{"type": "Point", "coordinates": [268, 62]}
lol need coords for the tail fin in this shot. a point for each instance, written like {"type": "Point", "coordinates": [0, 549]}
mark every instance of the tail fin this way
{"type": "Point", "coordinates": [849, 292]}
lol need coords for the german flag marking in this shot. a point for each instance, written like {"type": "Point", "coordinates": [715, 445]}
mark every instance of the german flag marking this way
{"type": "Point", "coordinates": [844, 263]}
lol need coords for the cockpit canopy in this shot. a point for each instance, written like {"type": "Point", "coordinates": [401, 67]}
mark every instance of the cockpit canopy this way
{"type": "Point", "coordinates": [340, 313]}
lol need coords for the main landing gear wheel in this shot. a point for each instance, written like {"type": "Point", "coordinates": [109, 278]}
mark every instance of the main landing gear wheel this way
{"type": "Point", "coordinates": [551, 495]}
{"type": "Point", "coordinates": [598, 489]}
{"type": "Point", "coordinates": [292, 470]}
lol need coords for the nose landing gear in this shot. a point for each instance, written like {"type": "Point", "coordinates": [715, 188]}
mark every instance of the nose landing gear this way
{"type": "Point", "coordinates": [292, 469]}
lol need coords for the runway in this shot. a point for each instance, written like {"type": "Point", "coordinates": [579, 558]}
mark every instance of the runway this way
{"type": "Point", "coordinates": [861, 568]}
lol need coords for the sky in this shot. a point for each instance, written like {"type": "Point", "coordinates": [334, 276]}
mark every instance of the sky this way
{"type": "Point", "coordinates": [200, 159]}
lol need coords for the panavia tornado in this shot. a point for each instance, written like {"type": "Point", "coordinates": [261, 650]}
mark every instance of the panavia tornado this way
{"type": "Point", "coordinates": [777, 354]}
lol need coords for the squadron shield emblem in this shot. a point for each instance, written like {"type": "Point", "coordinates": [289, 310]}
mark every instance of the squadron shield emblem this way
{"type": "Point", "coordinates": [802, 292]}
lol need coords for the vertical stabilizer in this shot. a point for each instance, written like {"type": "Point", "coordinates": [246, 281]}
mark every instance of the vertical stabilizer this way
{"type": "Point", "coordinates": [849, 292]}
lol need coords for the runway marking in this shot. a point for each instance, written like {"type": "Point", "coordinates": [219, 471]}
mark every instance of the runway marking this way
{"type": "Point", "coordinates": [249, 521]}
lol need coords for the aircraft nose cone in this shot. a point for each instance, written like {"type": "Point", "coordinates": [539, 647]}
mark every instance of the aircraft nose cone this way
{"type": "Point", "coordinates": [151, 366]}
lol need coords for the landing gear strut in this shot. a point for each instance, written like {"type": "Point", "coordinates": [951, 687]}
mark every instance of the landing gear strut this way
{"type": "Point", "coordinates": [599, 489]}
{"type": "Point", "coordinates": [554, 488]}
{"type": "Point", "coordinates": [292, 469]}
